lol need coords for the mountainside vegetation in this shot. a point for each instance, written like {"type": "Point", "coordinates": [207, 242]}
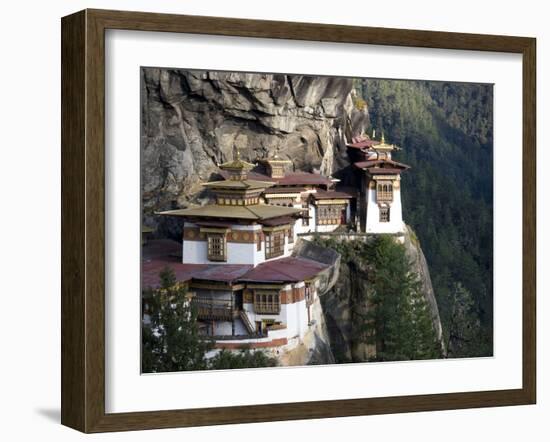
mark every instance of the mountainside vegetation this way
{"type": "Point", "coordinates": [446, 132]}
{"type": "Point", "coordinates": [390, 318]}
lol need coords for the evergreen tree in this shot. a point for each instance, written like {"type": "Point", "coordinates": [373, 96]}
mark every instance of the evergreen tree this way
{"type": "Point", "coordinates": [170, 336]}
{"type": "Point", "coordinates": [465, 334]}
{"type": "Point", "coordinates": [399, 321]}
{"type": "Point", "coordinates": [244, 359]}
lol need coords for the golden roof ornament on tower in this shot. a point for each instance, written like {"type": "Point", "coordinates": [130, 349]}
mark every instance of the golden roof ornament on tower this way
{"type": "Point", "coordinates": [237, 168]}
{"type": "Point", "coordinates": [275, 165]}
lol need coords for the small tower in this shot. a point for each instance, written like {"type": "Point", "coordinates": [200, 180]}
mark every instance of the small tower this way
{"type": "Point", "coordinates": [237, 169]}
{"type": "Point", "coordinates": [380, 196]}
{"type": "Point", "coordinates": [275, 165]}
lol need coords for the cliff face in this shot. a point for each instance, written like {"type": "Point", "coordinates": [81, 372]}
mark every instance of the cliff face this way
{"type": "Point", "coordinates": [340, 304]}
{"type": "Point", "coordinates": [193, 120]}
{"type": "Point", "coordinates": [420, 267]}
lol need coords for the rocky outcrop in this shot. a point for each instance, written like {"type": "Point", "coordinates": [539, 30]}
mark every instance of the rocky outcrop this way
{"type": "Point", "coordinates": [193, 120]}
{"type": "Point", "coordinates": [420, 267]}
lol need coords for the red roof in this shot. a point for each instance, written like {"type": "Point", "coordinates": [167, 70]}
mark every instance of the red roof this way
{"type": "Point", "coordinates": [228, 273]}
{"type": "Point", "coordinates": [151, 268]}
{"type": "Point", "coordinates": [222, 272]}
{"type": "Point", "coordinates": [375, 163]}
{"type": "Point", "coordinates": [331, 194]}
{"type": "Point", "coordinates": [303, 178]}
{"type": "Point", "coordinates": [279, 221]}
{"type": "Point", "coordinates": [291, 269]}
{"type": "Point", "coordinates": [361, 144]}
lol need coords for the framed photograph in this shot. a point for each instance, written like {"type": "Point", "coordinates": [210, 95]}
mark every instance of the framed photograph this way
{"type": "Point", "coordinates": [268, 221]}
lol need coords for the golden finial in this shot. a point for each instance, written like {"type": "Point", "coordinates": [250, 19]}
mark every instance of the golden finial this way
{"type": "Point", "coordinates": [373, 134]}
{"type": "Point", "coordinates": [383, 140]}
{"type": "Point", "coordinates": [238, 154]}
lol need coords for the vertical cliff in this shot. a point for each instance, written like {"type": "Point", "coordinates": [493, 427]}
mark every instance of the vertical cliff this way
{"type": "Point", "coordinates": [193, 120]}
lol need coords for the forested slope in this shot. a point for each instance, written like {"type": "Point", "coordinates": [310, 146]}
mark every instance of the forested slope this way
{"type": "Point", "coordinates": [446, 133]}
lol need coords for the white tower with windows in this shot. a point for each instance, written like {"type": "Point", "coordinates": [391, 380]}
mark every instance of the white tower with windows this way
{"type": "Point", "coordinates": [380, 198]}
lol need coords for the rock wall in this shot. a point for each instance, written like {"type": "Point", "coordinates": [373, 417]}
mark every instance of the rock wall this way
{"type": "Point", "coordinates": [193, 120]}
{"type": "Point", "coordinates": [420, 266]}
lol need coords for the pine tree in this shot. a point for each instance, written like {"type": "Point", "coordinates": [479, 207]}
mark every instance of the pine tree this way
{"type": "Point", "coordinates": [399, 321]}
{"type": "Point", "coordinates": [170, 336]}
{"type": "Point", "coordinates": [465, 334]}
{"type": "Point", "coordinates": [244, 359]}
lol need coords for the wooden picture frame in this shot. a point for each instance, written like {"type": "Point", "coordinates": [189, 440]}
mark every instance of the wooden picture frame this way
{"type": "Point", "coordinates": [83, 216]}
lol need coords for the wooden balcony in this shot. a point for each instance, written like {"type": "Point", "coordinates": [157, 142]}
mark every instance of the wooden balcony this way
{"type": "Point", "coordinates": [214, 309]}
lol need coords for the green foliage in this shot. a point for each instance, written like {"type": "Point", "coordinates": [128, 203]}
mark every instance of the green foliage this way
{"type": "Point", "coordinates": [171, 341]}
{"type": "Point", "coordinates": [391, 313]}
{"type": "Point", "coordinates": [465, 334]}
{"type": "Point", "coordinates": [244, 359]}
{"type": "Point", "coordinates": [446, 132]}
{"type": "Point", "coordinates": [399, 322]}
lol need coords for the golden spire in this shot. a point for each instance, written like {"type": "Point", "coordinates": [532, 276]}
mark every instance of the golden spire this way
{"type": "Point", "coordinates": [383, 140]}
{"type": "Point", "coordinates": [238, 169]}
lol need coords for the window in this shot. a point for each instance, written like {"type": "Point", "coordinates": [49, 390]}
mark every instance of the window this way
{"type": "Point", "coordinates": [329, 214]}
{"type": "Point", "coordinates": [291, 235]}
{"type": "Point", "coordinates": [267, 303]}
{"type": "Point", "coordinates": [384, 214]}
{"type": "Point", "coordinates": [259, 242]}
{"type": "Point", "coordinates": [384, 191]}
{"type": "Point", "coordinates": [217, 247]}
{"type": "Point", "coordinates": [274, 244]}
{"type": "Point", "coordinates": [305, 214]}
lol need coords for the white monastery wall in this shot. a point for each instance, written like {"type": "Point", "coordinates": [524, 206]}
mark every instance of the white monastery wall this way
{"type": "Point", "coordinates": [373, 224]}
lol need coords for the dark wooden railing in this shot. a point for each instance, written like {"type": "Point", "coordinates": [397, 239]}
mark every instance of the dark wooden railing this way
{"type": "Point", "coordinates": [214, 309]}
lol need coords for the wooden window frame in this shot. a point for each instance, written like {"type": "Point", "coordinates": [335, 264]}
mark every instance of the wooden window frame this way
{"type": "Point", "coordinates": [384, 191]}
{"type": "Point", "coordinates": [267, 303]}
{"type": "Point", "coordinates": [384, 214]}
{"type": "Point", "coordinates": [272, 249]}
{"type": "Point", "coordinates": [216, 257]}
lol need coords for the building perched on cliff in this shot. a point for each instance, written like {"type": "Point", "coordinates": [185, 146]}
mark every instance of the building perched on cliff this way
{"type": "Point", "coordinates": [237, 257]}
{"type": "Point", "coordinates": [322, 208]}
{"type": "Point", "coordinates": [379, 200]}
{"type": "Point", "coordinates": [238, 266]}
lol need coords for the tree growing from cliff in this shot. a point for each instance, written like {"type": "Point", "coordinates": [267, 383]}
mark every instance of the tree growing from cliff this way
{"type": "Point", "coordinates": [398, 320]}
{"type": "Point", "coordinates": [465, 333]}
{"type": "Point", "coordinates": [170, 337]}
